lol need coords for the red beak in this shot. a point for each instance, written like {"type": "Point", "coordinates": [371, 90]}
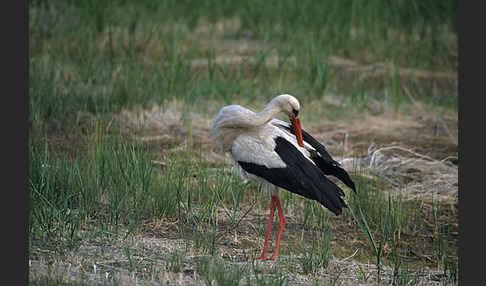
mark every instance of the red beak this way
{"type": "Point", "coordinates": [297, 131]}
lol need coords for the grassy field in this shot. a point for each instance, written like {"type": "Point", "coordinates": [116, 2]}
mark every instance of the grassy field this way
{"type": "Point", "coordinates": [126, 188]}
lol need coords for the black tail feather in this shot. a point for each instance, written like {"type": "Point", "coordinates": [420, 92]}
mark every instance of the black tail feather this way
{"type": "Point", "coordinates": [324, 161]}
{"type": "Point", "coordinates": [333, 169]}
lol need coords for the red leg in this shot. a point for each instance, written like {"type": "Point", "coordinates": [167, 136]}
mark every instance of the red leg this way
{"type": "Point", "coordinates": [269, 229]}
{"type": "Point", "coordinates": [281, 225]}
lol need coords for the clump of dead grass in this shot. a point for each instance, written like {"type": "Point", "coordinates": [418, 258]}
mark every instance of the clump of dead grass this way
{"type": "Point", "coordinates": [420, 175]}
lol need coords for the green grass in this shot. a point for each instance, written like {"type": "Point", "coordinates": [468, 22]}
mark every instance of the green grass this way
{"type": "Point", "coordinates": [99, 58]}
{"type": "Point", "coordinates": [388, 222]}
{"type": "Point", "coordinates": [89, 179]}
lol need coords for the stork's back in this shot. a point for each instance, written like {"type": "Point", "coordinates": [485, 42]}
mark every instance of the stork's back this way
{"type": "Point", "coordinates": [230, 122]}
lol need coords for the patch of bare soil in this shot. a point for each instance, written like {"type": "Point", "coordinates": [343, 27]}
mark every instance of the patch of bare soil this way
{"type": "Point", "coordinates": [154, 258]}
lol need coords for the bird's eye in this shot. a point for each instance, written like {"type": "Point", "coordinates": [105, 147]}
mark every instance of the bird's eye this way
{"type": "Point", "coordinates": [296, 112]}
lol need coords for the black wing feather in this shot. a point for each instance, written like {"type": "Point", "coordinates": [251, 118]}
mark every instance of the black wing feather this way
{"type": "Point", "coordinates": [300, 177]}
{"type": "Point", "coordinates": [324, 161]}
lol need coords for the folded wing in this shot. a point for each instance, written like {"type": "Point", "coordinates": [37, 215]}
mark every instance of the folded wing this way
{"type": "Point", "coordinates": [320, 156]}
{"type": "Point", "coordinates": [291, 171]}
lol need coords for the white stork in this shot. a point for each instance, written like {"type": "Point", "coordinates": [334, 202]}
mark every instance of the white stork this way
{"type": "Point", "coordinates": [278, 154]}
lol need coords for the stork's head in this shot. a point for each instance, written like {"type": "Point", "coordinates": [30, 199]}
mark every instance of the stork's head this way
{"type": "Point", "coordinates": [291, 106]}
